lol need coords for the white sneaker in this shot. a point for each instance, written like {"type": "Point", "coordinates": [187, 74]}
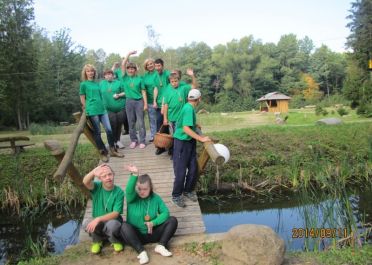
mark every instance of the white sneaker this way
{"type": "Point", "coordinates": [120, 145]}
{"type": "Point", "coordinates": [163, 251]}
{"type": "Point", "coordinates": [143, 258]}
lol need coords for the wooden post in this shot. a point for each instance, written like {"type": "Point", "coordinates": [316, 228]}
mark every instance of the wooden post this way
{"type": "Point", "coordinates": [209, 152]}
{"type": "Point", "coordinates": [88, 131]}
{"type": "Point", "coordinates": [67, 159]}
{"type": "Point", "coordinates": [57, 151]}
{"type": "Point", "coordinates": [202, 161]}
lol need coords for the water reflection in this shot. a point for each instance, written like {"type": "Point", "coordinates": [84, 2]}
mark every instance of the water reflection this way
{"type": "Point", "coordinates": [54, 231]}
{"type": "Point", "coordinates": [294, 217]}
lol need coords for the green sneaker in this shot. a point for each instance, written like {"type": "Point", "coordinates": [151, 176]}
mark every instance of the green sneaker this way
{"type": "Point", "coordinates": [117, 247]}
{"type": "Point", "coordinates": [96, 247]}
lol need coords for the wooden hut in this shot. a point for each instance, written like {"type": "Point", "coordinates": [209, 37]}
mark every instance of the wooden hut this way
{"type": "Point", "coordinates": [274, 102]}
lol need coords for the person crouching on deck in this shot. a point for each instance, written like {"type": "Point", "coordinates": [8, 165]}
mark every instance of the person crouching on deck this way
{"type": "Point", "coordinates": [108, 201]}
{"type": "Point", "coordinates": [148, 219]}
{"type": "Point", "coordinates": [184, 151]}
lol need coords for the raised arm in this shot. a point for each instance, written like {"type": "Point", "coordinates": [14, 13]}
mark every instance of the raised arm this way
{"type": "Point", "coordinates": [115, 66]}
{"type": "Point", "coordinates": [130, 191]}
{"type": "Point", "coordinates": [125, 61]}
{"type": "Point", "coordinates": [89, 178]}
{"type": "Point", "coordinates": [194, 82]}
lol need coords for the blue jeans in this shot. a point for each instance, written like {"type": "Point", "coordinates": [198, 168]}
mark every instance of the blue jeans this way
{"type": "Point", "coordinates": [152, 121]}
{"type": "Point", "coordinates": [135, 114]}
{"type": "Point", "coordinates": [185, 166]}
{"type": "Point", "coordinates": [104, 119]}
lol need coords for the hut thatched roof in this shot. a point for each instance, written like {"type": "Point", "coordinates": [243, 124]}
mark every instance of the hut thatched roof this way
{"type": "Point", "coordinates": [273, 96]}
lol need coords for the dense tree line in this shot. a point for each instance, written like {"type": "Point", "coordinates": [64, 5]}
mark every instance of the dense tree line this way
{"type": "Point", "coordinates": [39, 75]}
{"type": "Point", "coordinates": [358, 84]}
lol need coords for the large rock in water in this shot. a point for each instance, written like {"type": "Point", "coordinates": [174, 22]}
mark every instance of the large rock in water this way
{"type": "Point", "coordinates": [329, 121]}
{"type": "Point", "coordinates": [252, 244]}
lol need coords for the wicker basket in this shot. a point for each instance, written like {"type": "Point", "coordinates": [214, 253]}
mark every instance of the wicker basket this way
{"type": "Point", "coordinates": [163, 140]}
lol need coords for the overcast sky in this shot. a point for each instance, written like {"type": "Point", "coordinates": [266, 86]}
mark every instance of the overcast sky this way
{"type": "Point", "coordinates": [120, 25]}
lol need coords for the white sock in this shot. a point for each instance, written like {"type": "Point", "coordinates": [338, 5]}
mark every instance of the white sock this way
{"type": "Point", "coordinates": [163, 251]}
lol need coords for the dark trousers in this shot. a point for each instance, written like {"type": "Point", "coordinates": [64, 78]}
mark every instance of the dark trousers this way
{"type": "Point", "coordinates": [185, 166]}
{"type": "Point", "coordinates": [161, 234]}
{"type": "Point", "coordinates": [125, 121]}
{"type": "Point", "coordinates": [104, 119]}
{"type": "Point", "coordinates": [172, 130]}
{"type": "Point", "coordinates": [116, 121]}
{"type": "Point", "coordinates": [159, 119]}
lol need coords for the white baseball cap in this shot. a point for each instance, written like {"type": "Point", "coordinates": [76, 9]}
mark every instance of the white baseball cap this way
{"type": "Point", "coordinates": [194, 94]}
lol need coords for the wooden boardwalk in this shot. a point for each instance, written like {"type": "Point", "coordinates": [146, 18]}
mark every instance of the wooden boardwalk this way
{"type": "Point", "coordinates": [160, 169]}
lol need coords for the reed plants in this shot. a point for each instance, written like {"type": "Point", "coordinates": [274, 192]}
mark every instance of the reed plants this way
{"type": "Point", "coordinates": [27, 186]}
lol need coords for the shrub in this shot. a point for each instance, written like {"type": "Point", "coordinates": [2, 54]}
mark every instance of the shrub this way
{"type": "Point", "coordinates": [318, 110]}
{"type": "Point", "coordinates": [342, 111]}
{"type": "Point", "coordinates": [44, 129]}
{"type": "Point", "coordinates": [365, 109]}
{"type": "Point", "coordinates": [334, 100]}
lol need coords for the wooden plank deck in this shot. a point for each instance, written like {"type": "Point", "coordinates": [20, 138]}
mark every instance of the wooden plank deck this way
{"type": "Point", "coordinates": [160, 169]}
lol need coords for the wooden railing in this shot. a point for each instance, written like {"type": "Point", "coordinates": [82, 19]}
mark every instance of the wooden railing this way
{"type": "Point", "coordinates": [66, 165]}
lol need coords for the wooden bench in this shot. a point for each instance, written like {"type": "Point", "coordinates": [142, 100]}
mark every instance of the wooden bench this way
{"type": "Point", "coordinates": [16, 146]}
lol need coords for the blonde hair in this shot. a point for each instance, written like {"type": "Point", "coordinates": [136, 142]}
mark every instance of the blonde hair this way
{"type": "Point", "coordinates": [84, 74]}
{"type": "Point", "coordinates": [146, 62]}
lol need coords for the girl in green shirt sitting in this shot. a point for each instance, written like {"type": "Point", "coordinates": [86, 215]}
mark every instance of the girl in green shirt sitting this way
{"type": "Point", "coordinates": [148, 219]}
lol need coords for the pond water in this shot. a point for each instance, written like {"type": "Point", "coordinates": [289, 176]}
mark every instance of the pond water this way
{"type": "Point", "coordinates": [54, 232]}
{"type": "Point", "coordinates": [301, 222]}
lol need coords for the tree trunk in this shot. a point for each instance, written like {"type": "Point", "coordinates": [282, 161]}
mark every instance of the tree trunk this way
{"type": "Point", "coordinates": [19, 115]}
{"type": "Point", "coordinates": [27, 120]}
{"type": "Point", "coordinates": [327, 88]}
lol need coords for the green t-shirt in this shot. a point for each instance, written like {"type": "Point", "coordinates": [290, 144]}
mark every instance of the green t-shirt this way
{"type": "Point", "coordinates": [186, 118]}
{"type": "Point", "coordinates": [150, 82]}
{"type": "Point", "coordinates": [175, 98]}
{"type": "Point", "coordinates": [108, 89]}
{"type": "Point", "coordinates": [133, 86]}
{"type": "Point", "coordinates": [161, 82]}
{"type": "Point", "coordinates": [105, 201]}
{"type": "Point", "coordinates": [93, 98]}
{"type": "Point", "coordinates": [138, 208]}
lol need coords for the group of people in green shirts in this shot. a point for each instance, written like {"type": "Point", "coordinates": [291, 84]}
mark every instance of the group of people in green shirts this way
{"type": "Point", "coordinates": [169, 102]}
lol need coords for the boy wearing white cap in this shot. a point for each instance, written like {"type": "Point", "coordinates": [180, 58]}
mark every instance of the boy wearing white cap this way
{"type": "Point", "coordinates": [184, 151]}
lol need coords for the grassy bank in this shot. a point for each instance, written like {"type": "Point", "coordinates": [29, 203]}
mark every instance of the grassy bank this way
{"type": "Point", "coordinates": [350, 256]}
{"type": "Point", "coordinates": [26, 180]}
{"type": "Point", "coordinates": [271, 158]}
